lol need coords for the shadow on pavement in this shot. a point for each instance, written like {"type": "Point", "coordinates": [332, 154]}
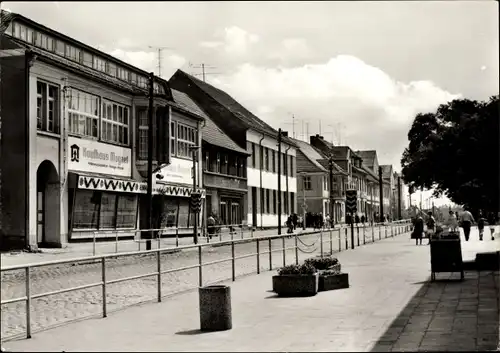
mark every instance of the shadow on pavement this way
{"type": "Point", "coordinates": [192, 332]}
{"type": "Point", "coordinates": [448, 316]}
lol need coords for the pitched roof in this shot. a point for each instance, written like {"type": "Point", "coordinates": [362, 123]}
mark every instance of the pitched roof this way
{"type": "Point", "coordinates": [210, 132]}
{"type": "Point", "coordinates": [228, 102]}
{"type": "Point", "coordinates": [368, 157]}
{"type": "Point", "coordinates": [386, 170]}
{"type": "Point", "coordinates": [316, 157]}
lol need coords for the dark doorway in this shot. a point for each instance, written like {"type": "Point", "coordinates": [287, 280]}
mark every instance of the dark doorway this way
{"type": "Point", "coordinates": [47, 202]}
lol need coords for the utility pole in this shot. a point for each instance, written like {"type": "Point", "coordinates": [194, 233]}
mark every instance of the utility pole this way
{"type": "Point", "coordinates": [149, 197]}
{"type": "Point", "coordinates": [381, 189]}
{"type": "Point", "coordinates": [399, 197]}
{"type": "Point", "coordinates": [279, 181]}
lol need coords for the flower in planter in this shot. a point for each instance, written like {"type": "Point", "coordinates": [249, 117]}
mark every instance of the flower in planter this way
{"type": "Point", "coordinates": [304, 269]}
{"type": "Point", "coordinates": [330, 272]}
{"type": "Point", "coordinates": [322, 263]}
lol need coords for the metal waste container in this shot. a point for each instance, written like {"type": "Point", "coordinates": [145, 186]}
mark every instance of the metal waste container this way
{"type": "Point", "coordinates": [215, 308]}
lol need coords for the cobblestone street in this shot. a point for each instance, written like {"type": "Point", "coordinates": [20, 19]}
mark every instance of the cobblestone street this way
{"type": "Point", "coordinates": [390, 305]}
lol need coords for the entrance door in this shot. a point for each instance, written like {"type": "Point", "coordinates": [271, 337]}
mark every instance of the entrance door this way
{"type": "Point", "coordinates": [235, 213]}
{"type": "Point", "coordinates": [40, 217]}
{"type": "Point", "coordinates": [223, 212]}
{"type": "Point", "coordinates": [254, 206]}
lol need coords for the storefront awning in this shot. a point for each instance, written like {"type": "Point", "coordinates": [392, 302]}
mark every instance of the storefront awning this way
{"type": "Point", "coordinates": [95, 182]}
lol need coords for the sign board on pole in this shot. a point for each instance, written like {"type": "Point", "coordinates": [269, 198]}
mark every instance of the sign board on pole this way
{"type": "Point", "coordinates": [351, 201]}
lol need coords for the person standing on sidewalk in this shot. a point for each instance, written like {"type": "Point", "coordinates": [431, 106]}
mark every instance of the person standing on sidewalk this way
{"type": "Point", "coordinates": [418, 229]}
{"type": "Point", "coordinates": [467, 221]}
{"type": "Point", "coordinates": [431, 226]}
{"type": "Point", "coordinates": [492, 222]}
{"type": "Point", "coordinates": [480, 224]}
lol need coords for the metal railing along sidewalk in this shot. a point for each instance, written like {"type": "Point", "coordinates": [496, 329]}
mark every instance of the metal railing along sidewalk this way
{"type": "Point", "coordinates": [327, 236]}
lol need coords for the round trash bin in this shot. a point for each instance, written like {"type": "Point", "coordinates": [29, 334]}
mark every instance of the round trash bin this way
{"type": "Point", "coordinates": [215, 308]}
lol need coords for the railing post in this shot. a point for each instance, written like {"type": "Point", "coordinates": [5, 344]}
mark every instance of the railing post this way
{"type": "Point", "coordinates": [331, 242]}
{"type": "Point", "coordinates": [373, 233]}
{"type": "Point", "coordinates": [379, 232]}
{"type": "Point", "coordinates": [340, 241]}
{"type": "Point", "coordinates": [346, 242]}
{"type": "Point", "coordinates": [242, 231]}
{"type": "Point", "coordinates": [158, 268]}
{"type": "Point", "coordinates": [357, 233]}
{"type": "Point", "coordinates": [385, 230]}
{"type": "Point", "coordinates": [139, 241]}
{"type": "Point", "coordinates": [284, 250]}
{"type": "Point", "coordinates": [258, 257]}
{"type": "Point", "coordinates": [28, 302]}
{"type": "Point", "coordinates": [220, 232]}
{"type": "Point", "coordinates": [364, 234]}
{"type": "Point", "coordinates": [176, 236]}
{"type": "Point", "coordinates": [116, 242]}
{"type": "Point", "coordinates": [200, 268]}
{"type": "Point", "coordinates": [296, 250]}
{"type": "Point", "coordinates": [251, 231]}
{"type": "Point", "coordinates": [233, 267]}
{"type": "Point", "coordinates": [104, 300]}
{"type": "Point", "coordinates": [93, 244]}
{"type": "Point", "coordinates": [321, 241]}
{"type": "Point", "coordinates": [270, 255]}
{"type": "Point", "coordinates": [159, 238]}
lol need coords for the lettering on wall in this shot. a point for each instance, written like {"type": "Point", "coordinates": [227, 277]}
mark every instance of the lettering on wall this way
{"type": "Point", "coordinates": [96, 157]}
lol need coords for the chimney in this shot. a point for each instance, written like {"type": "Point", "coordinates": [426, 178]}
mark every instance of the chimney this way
{"type": "Point", "coordinates": [284, 133]}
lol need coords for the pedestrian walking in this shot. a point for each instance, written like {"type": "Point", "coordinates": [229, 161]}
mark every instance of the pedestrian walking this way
{"type": "Point", "coordinates": [452, 222]}
{"type": "Point", "coordinates": [363, 219]}
{"type": "Point", "coordinates": [480, 224]}
{"type": "Point", "coordinates": [211, 226]}
{"type": "Point", "coordinates": [466, 220]}
{"type": "Point", "coordinates": [295, 220]}
{"type": "Point", "coordinates": [431, 226]}
{"type": "Point", "coordinates": [492, 221]}
{"type": "Point", "coordinates": [418, 230]}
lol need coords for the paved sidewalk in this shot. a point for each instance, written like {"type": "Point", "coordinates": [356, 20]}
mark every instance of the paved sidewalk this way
{"type": "Point", "coordinates": [389, 306]}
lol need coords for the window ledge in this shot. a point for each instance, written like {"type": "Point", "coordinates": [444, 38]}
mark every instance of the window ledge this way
{"type": "Point", "coordinates": [48, 134]}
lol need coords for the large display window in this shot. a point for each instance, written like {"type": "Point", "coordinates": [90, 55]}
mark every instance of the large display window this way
{"type": "Point", "coordinates": [99, 210]}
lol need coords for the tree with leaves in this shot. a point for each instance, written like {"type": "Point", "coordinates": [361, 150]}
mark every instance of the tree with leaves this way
{"type": "Point", "coordinates": [455, 151]}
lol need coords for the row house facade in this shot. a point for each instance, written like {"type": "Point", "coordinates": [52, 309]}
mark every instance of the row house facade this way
{"type": "Point", "coordinates": [75, 137]}
{"type": "Point", "coordinates": [260, 141]}
{"type": "Point", "coordinates": [389, 186]}
{"type": "Point", "coordinates": [314, 184]}
{"type": "Point", "coordinates": [224, 176]}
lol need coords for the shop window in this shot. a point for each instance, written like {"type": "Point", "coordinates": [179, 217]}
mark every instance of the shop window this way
{"type": "Point", "coordinates": [183, 213]}
{"type": "Point", "coordinates": [103, 211]}
{"type": "Point", "coordinates": [107, 213]}
{"type": "Point", "coordinates": [86, 211]}
{"type": "Point", "coordinates": [126, 212]}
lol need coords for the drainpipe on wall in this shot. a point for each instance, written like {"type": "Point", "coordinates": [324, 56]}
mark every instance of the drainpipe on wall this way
{"type": "Point", "coordinates": [261, 159]}
{"type": "Point", "coordinates": [29, 59]}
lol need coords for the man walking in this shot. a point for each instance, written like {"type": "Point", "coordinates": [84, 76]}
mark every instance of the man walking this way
{"type": "Point", "coordinates": [467, 221]}
{"type": "Point", "coordinates": [480, 224]}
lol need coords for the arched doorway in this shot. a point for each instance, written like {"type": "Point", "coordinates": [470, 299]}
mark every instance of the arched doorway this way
{"type": "Point", "coordinates": [47, 200]}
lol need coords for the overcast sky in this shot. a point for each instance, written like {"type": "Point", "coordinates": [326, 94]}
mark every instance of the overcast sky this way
{"type": "Point", "coordinates": [362, 69]}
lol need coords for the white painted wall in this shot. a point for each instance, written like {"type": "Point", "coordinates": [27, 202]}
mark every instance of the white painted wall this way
{"type": "Point", "coordinates": [270, 180]}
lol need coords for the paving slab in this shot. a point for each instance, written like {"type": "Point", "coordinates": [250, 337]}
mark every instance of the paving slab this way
{"type": "Point", "coordinates": [387, 279]}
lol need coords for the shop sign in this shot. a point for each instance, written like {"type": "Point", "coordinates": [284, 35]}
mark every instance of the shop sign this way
{"type": "Point", "coordinates": [139, 187]}
{"type": "Point", "coordinates": [179, 171]}
{"type": "Point", "coordinates": [96, 157]}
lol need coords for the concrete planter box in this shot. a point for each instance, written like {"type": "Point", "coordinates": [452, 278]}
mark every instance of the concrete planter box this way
{"type": "Point", "coordinates": [331, 282]}
{"type": "Point", "coordinates": [296, 285]}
